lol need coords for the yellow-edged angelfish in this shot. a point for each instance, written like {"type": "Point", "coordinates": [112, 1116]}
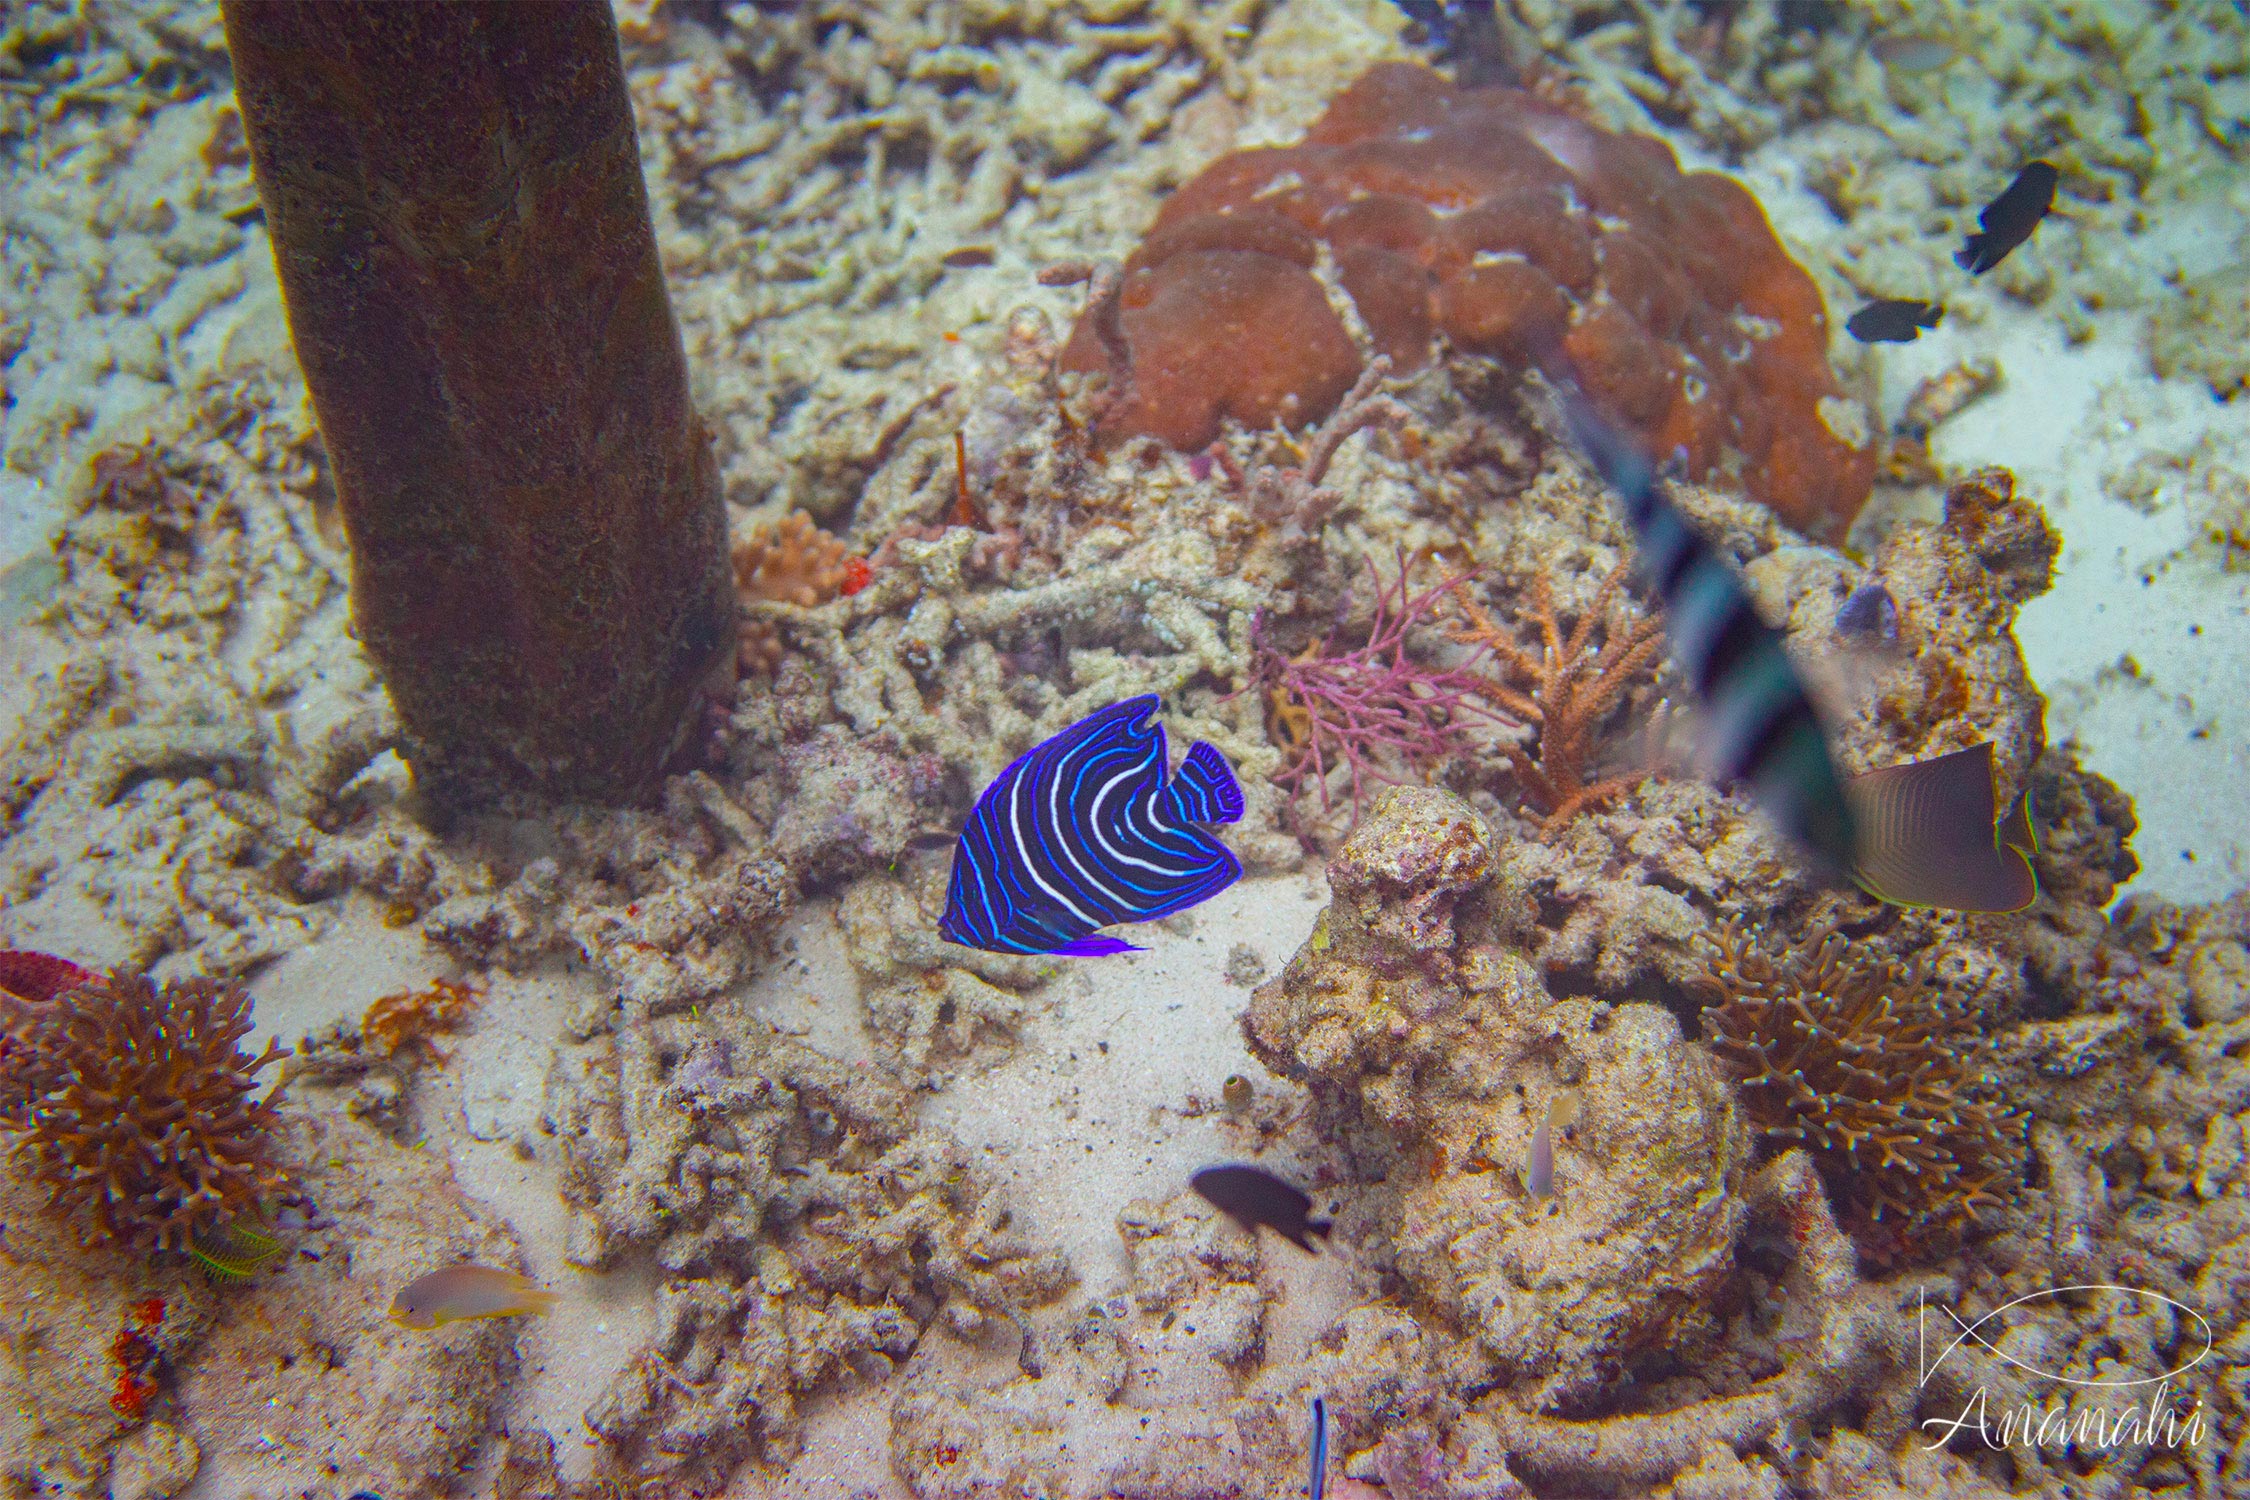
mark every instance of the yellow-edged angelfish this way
{"type": "Point", "coordinates": [1927, 836]}
{"type": "Point", "coordinates": [458, 1293]}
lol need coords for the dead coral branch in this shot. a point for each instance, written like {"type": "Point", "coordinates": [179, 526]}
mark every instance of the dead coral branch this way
{"type": "Point", "coordinates": [1568, 690]}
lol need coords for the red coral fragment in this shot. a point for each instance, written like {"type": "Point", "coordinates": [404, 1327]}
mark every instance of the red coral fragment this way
{"type": "Point", "coordinates": [1514, 229]}
{"type": "Point", "coordinates": [149, 1311]}
{"type": "Point", "coordinates": [130, 1399]}
{"type": "Point", "coordinates": [857, 575]}
{"type": "Point", "coordinates": [39, 977]}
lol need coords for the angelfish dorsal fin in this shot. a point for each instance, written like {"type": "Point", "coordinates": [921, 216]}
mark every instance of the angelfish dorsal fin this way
{"type": "Point", "coordinates": [1205, 790]}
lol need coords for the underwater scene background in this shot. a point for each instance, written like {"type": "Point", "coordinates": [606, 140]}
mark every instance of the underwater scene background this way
{"type": "Point", "coordinates": [1125, 748]}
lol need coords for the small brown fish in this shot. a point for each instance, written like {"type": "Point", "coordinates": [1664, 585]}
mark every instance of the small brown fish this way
{"type": "Point", "coordinates": [1252, 1196]}
{"type": "Point", "coordinates": [458, 1293]}
{"type": "Point", "coordinates": [2007, 221]}
{"type": "Point", "coordinates": [1893, 320]}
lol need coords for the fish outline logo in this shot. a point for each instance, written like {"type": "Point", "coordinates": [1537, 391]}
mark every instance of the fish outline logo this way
{"type": "Point", "coordinates": [1927, 1367]}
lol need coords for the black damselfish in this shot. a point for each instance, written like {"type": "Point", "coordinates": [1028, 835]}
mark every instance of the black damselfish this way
{"type": "Point", "coordinates": [2007, 221]}
{"type": "Point", "coordinates": [1252, 1196]}
{"type": "Point", "coordinates": [1759, 726]}
{"type": "Point", "coordinates": [1893, 320]}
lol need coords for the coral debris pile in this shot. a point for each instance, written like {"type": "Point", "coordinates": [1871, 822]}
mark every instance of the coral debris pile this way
{"type": "Point", "coordinates": [1515, 229]}
{"type": "Point", "coordinates": [131, 1104]}
{"type": "Point", "coordinates": [1883, 1074]}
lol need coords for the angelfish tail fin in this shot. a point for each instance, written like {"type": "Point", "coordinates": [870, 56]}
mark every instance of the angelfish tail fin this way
{"type": "Point", "coordinates": [1205, 790]}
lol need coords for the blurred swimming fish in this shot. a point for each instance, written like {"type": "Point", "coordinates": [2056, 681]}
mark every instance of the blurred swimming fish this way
{"type": "Point", "coordinates": [1913, 54]}
{"type": "Point", "coordinates": [2007, 221]}
{"type": "Point", "coordinates": [1252, 1196]}
{"type": "Point", "coordinates": [1539, 1175]}
{"type": "Point", "coordinates": [458, 1293]}
{"type": "Point", "coordinates": [1318, 1488]}
{"type": "Point", "coordinates": [1893, 320]}
{"type": "Point", "coordinates": [1434, 16]}
{"type": "Point", "coordinates": [1868, 615]}
{"type": "Point", "coordinates": [1759, 725]}
{"type": "Point", "coordinates": [1082, 831]}
{"type": "Point", "coordinates": [1928, 836]}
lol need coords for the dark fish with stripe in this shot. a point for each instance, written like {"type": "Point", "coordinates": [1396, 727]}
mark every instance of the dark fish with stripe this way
{"type": "Point", "coordinates": [1758, 724]}
{"type": "Point", "coordinates": [1252, 1196]}
{"type": "Point", "coordinates": [1893, 320]}
{"type": "Point", "coordinates": [2007, 221]}
{"type": "Point", "coordinates": [1928, 836]}
{"type": "Point", "coordinates": [1318, 1487]}
{"type": "Point", "coordinates": [1083, 831]}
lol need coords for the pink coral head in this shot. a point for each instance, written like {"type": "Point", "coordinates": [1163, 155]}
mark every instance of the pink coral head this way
{"type": "Point", "coordinates": [27, 975]}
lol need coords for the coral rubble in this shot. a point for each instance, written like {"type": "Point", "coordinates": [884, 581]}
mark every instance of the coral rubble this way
{"type": "Point", "coordinates": [1515, 229]}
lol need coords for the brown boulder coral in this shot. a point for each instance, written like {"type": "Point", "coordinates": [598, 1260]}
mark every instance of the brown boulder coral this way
{"type": "Point", "coordinates": [1513, 228]}
{"type": "Point", "coordinates": [131, 1103]}
{"type": "Point", "coordinates": [1434, 1050]}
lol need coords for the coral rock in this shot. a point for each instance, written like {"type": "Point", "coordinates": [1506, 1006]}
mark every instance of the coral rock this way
{"type": "Point", "coordinates": [1516, 230]}
{"type": "Point", "coordinates": [1403, 1013]}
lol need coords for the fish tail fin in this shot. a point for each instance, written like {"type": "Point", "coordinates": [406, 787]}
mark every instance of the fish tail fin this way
{"type": "Point", "coordinates": [1094, 946]}
{"type": "Point", "coordinates": [540, 1301]}
{"type": "Point", "coordinates": [2016, 830]}
{"type": "Point", "coordinates": [1205, 791]}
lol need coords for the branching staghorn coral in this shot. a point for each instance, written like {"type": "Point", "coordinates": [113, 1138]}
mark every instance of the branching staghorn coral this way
{"type": "Point", "coordinates": [131, 1104]}
{"type": "Point", "coordinates": [1372, 703]}
{"type": "Point", "coordinates": [1877, 1070]}
{"type": "Point", "coordinates": [1567, 690]}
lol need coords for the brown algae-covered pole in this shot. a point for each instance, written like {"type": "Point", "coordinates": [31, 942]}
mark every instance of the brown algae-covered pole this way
{"type": "Point", "coordinates": [538, 548]}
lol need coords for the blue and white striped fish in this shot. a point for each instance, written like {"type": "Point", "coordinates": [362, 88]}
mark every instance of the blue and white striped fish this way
{"type": "Point", "coordinates": [1083, 831]}
{"type": "Point", "coordinates": [1759, 726]}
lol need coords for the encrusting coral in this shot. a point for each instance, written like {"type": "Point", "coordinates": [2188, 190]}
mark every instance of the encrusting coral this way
{"type": "Point", "coordinates": [1517, 230]}
{"type": "Point", "coordinates": [131, 1104]}
{"type": "Point", "coordinates": [1881, 1072]}
{"type": "Point", "coordinates": [1567, 691]}
{"type": "Point", "coordinates": [790, 561]}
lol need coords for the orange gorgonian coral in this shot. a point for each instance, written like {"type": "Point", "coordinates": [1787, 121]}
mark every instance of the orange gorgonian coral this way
{"type": "Point", "coordinates": [1879, 1072]}
{"type": "Point", "coordinates": [132, 1104]}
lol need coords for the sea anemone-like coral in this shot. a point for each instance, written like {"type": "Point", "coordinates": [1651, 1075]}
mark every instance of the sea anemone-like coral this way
{"type": "Point", "coordinates": [1569, 689]}
{"type": "Point", "coordinates": [790, 561]}
{"type": "Point", "coordinates": [131, 1103]}
{"type": "Point", "coordinates": [1516, 230]}
{"type": "Point", "coordinates": [1881, 1073]}
{"type": "Point", "coordinates": [1370, 704]}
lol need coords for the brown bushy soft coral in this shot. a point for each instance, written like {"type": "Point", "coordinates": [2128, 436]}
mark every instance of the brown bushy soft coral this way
{"type": "Point", "coordinates": [1879, 1072]}
{"type": "Point", "coordinates": [1569, 689]}
{"type": "Point", "coordinates": [790, 561]}
{"type": "Point", "coordinates": [131, 1103]}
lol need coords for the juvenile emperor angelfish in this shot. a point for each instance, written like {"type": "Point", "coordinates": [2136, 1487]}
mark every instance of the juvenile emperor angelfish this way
{"type": "Point", "coordinates": [1083, 831]}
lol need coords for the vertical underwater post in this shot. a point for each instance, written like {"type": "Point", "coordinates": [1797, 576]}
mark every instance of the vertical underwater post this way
{"type": "Point", "coordinates": [538, 548]}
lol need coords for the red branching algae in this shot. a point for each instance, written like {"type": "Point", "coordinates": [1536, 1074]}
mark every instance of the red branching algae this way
{"type": "Point", "coordinates": [1512, 228]}
{"type": "Point", "coordinates": [1370, 704]}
